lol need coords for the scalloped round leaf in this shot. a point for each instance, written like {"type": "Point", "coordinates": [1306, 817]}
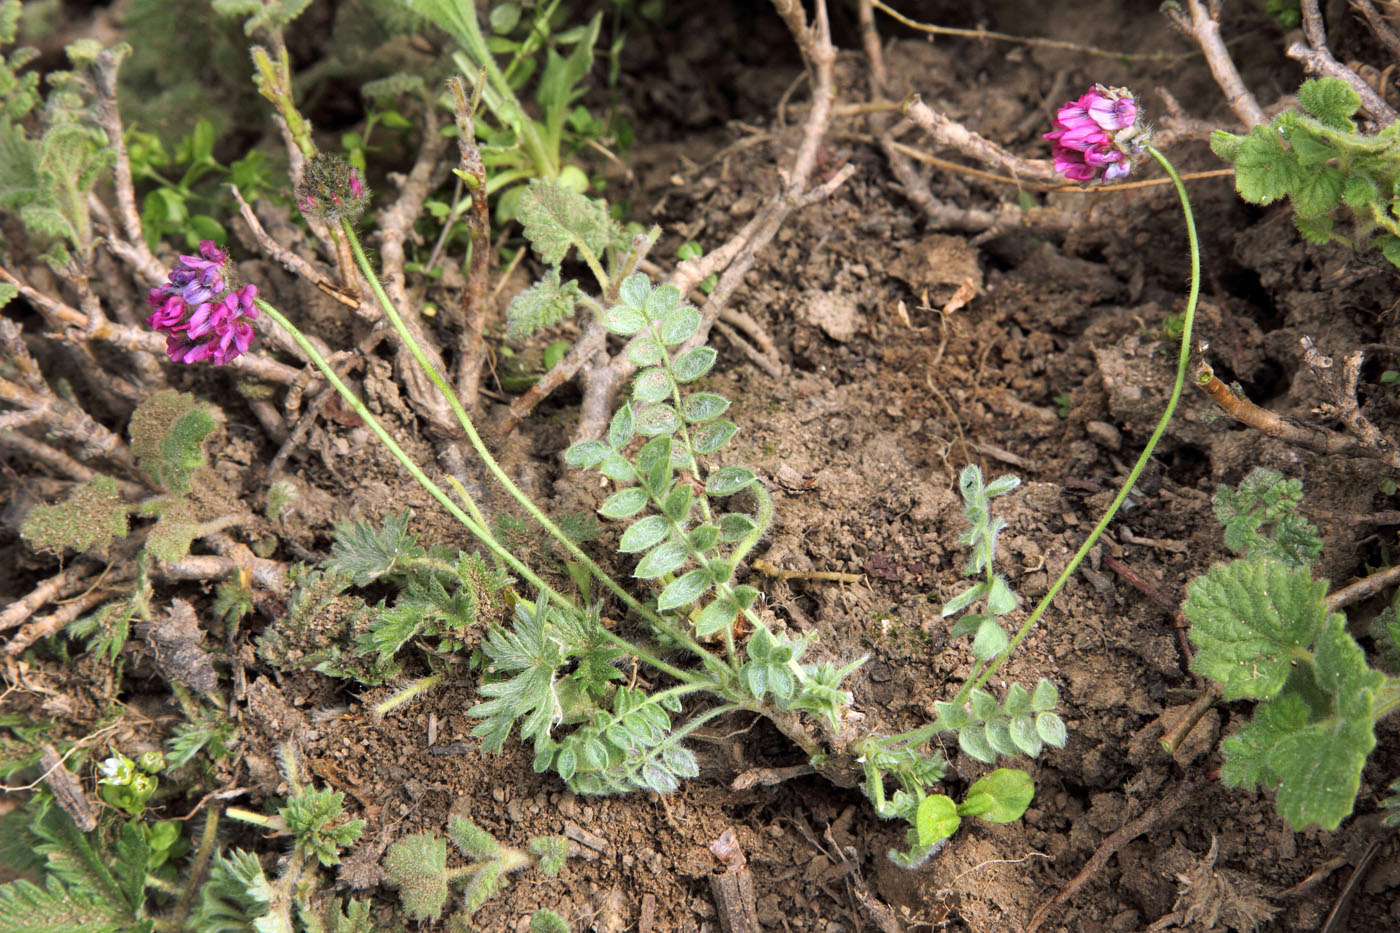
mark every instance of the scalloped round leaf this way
{"type": "Point", "coordinates": [711, 438]}
{"type": "Point", "coordinates": [643, 533]}
{"type": "Point", "coordinates": [644, 351]}
{"type": "Point", "coordinates": [703, 406]}
{"type": "Point", "coordinates": [1000, 797]}
{"type": "Point", "coordinates": [684, 590]}
{"type": "Point", "coordinates": [652, 385]}
{"type": "Point", "coordinates": [729, 480]}
{"type": "Point", "coordinates": [663, 559]}
{"type": "Point", "coordinates": [624, 503]}
{"type": "Point", "coordinates": [693, 364]}
{"type": "Point", "coordinates": [936, 819]}
{"type": "Point", "coordinates": [657, 419]}
{"type": "Point", "coordinates": [680, 325]}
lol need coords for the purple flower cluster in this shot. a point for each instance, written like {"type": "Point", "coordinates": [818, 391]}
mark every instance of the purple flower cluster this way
{"type": "Point", "coordinates": [201, 317]}
{"type": "Point", "coordinates": [1089, 139]}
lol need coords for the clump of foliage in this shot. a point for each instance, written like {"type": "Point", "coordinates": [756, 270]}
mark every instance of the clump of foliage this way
{"type": "Point", "coordinates": [1320, 161]}
{"type": "Point", "coordinates": [1263, 630]}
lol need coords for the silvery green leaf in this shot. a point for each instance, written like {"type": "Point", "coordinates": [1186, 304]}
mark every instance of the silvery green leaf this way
{"type": "Point", "coordinates": [644, 351]}
{"type": "Point", "coordinates": [703, 406]}
{"type": "Point", "coordinates": [711, 438]}
{"type": "Point", "coordinates": [755, 676]}
{"type": "Point", "coordinates": [735, 526]}
{"type": "Point", "coordinates": [984, 705]}
{"type": "Point", "coordinates": [745, 595]}
{"type": "Point", "coordinates": [624, 503]}
{"type": "Point", "coordinates": [1052, 729]}
{"type": "Point", "coordinates": [658, 419]}
{"type": "Point", "coordinates": [1045, 697]}
{"type": "Point", "coordinates": [678, 503]}
{"type": "Point", "coordinates": [624, 320]}
{"type": "Point", "coordinates": [1002, 485]}
{"type": "Point", "coordinates": [1000, 599]}
{"type": "Point", "coordinates": [693, 364]}
{"type": "Point", "coordinates": [970, 484]}
{"type": "Point", "coordinates": [964, 599]}
{"type": "Point", "coordinates": [566, 764]}
{"type": "Point", "coordinates": [680, 325]}
{"type": "Point", "coordinates": [973, 741]}
{"type": "Point", "coordinates": [652, 385]}
{"type": "Point", "coordinates": [662, 301]}
{"type": "Point", "coordinates": [681, 761]}
{"type": "Point", "coordinates": [1017, 700]}
{"type": "Point", "coordinates": [662, 560]}
{"type": "Point", "coordinates": [585, 455]}
{"type": "Point", "coordinates": [657, 450]}
{"type": "Point", "coordinates": [643, 534]}
{"type": "Point", "coordinates": [622, 427]}
{"type": "Point", "coordinates": [658, 779]}
{"type": "Point", "coordinates": [1024, 735]}
{"type": "Point", "coordinates": [616, 467]}
{"type": "Point", "coordinates": [729, 480]}
{"type": "Point", "coordinates": [720, 570]}
{"type": "Point", "coordinates": [715, 617]}
{"type": "Point", "coordinates": [684, 590]}
{"type": "Point", "coordinates": [704, 537]}
{"type": "Point", "coordinates": [635, 291]}
{"type": "Point", "coordinates": [999, 737]}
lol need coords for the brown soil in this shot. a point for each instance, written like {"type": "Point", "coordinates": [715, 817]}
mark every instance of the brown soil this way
{"type": "Point", "coordinates": [884, 399]}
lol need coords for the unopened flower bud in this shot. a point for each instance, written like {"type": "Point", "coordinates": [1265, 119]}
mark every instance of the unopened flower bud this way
{"type": "Point", "coordinates": [331, 190]}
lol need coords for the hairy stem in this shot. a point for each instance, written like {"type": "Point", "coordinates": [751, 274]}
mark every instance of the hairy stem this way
{"type": "Point", "coordinates": [1188, 318]}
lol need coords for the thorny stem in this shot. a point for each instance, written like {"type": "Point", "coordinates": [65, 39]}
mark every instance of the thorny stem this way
{"type": "Point", "coordinates": [1188, 318]}
{"type": "Point", "coordinates": [495, 468]}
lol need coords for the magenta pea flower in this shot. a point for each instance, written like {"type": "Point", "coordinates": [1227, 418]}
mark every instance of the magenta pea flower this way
{"type": "Point", "coordinates": [201, 316]}
{"type": "Point", "coordinates": [1097, 136]}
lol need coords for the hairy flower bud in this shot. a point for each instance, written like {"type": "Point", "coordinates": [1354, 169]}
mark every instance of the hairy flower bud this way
{"type": "Point", "coordinates": [1098, 135]}
{"type": "Point", "coordinates": [331, 190]}
{"type": "Point", "coordinates": [201, 315]}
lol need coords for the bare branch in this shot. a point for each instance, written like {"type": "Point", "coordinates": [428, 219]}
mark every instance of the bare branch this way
{"type": "Point", "coordinates": [1322, 63]}
{"type": "Point", "coordinates": [1203, 26]}
{"type": "Point", "coordinates": [471, 344]}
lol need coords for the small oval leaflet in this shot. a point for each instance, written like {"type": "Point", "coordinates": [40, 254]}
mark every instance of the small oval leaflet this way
{"type": "Point", "coordinates": [621, 428]}
{"type": "Point", "coordinates": [658, 419]}
{"type": "Point", "coordinates": [624, 320]}
{"type": "Point", "coordinates": [624, 503]}
{"type": "Point", "coordinates": [729, 480]}
{"type": "Point", "coordinates": [643, 534]}
{"type": "Point", "coordinates": [662, 560]}
{"type": "Point", "coordinates": [693, 364]}
{"type": "Point", "coordinates": [680, 325]}
{"type": "Point", "coordinates": [684, 590]}
{"type": "Point", "coordinates": [644, 351]}
{"type": "Point", "coordinates": [711, 438]}
{"type": "Point", "coordinates": [703, 406]}
{"type": "Point", "coordinates": [652, 385]}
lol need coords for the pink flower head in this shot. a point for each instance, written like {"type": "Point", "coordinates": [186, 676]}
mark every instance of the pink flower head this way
{"type": "Point", "coordinates": [1097, 136]}
{"type": "Point", "coordinates": [201, 316]}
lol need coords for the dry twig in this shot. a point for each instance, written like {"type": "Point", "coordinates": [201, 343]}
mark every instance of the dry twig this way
{"type": "Point", "coordinates": [1202, 25]}
{"type": "Point", "coordinates": [1317, 59]}
{"type": "Point", "coordinates": [471, 345]}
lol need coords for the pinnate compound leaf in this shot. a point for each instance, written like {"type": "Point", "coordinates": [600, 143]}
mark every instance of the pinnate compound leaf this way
{"type": "Point", "coordinates": [533, 657]}
{"type": "Point", "coordinates": [1331, 100]}
{"type": "Point", "coordinates": [28, 908]}
{"type": "Point", "coordinates": [556, 218]}
{"type": "Point", "coordinates": [235, 896]}
{"type": "Point", "coordinates": [93, 515]}
{"type": "Point", "coordinates": [542, 305]}
{"type": "Point", "coordinates": [417, 866]}
{"type": "Point", "coordinates": [1250, 620]}
{"type": "Point", "coordinates": [936, 819]}
{"type": "Point", "coordinates": [1000, 797]}
{"type": "Point", "coordinates": [693, 364]}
